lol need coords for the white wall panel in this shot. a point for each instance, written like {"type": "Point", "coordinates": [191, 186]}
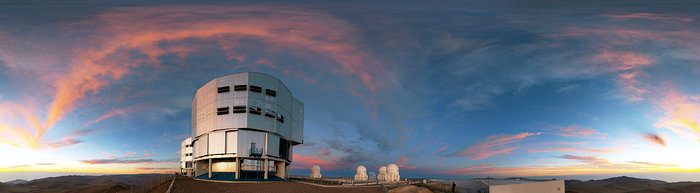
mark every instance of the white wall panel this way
{"type": "Point", "coordinates": [217, 142]}
{"type": "Point", "coordinates": [201, 146]}
{"type": "Point", "coordinates": [232, 142]}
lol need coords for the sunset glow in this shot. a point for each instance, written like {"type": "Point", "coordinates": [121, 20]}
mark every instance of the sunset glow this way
{"type": "Point", "coordinates": [445, 91]}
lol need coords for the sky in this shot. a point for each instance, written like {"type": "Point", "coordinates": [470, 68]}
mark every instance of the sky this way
{"type": "Point", "coordinates": [450, 89]}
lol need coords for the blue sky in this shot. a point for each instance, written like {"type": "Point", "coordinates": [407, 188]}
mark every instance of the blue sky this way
{"type": "Point", "coordinates": [450, 90]}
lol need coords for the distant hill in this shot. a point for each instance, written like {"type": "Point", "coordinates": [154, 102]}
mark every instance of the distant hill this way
{"type": "Point", "coordinates": [87, 184]}
{"type": "Point", "coordinates": [17, 181]}
{"type": "Point", "coordinates": [626, 184]}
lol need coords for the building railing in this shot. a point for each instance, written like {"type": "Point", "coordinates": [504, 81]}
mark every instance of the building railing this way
{"type": "Point", "coordinates": [256, 152]}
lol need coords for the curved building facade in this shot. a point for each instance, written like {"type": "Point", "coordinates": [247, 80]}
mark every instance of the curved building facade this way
{"type": "Point", "coordinates": [244, 127]}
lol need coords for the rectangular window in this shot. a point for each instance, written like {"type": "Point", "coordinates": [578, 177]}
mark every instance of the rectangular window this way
{"type": "Point", "coordinates": [223, 89]}
{"type": "Point", "coordinates": [221, 110]}
{"type": "Point", "coordinates": [270, 113]}
{"type": "Point", "coordinates": [280, 118]}
{"type": "Point", "coordinates": [254, 88]}
{"type": "Point", "coordinates": [271, 92]}
{"type": "Point", "coordinates": [240, 87]}
{"type": "Point", "coordinates": [255, 110]}
{"type": "Point", "coordinates": [239, 109]}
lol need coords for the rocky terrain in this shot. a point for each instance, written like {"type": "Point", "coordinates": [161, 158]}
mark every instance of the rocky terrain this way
{"type": "Point", "coordinates": [626, 184]}
{"type": "Point", "coordinates": [87, 184]}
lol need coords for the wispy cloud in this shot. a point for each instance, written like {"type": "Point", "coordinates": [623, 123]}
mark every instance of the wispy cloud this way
{"type": "Point", "coordinates": [403, 164]}
{"type": "Point", "coordinates": [118, 161]}
{"type": "Point", "coordinates": [586, 159]}
{"type": "Point", "coordinates": [574, 149]}
{"type": "Point", "coordinates": [579, 131]}
{"type": "Point", "coordinates": [494, 145]}
{"type": "Point", "coordinates": [649, 16]}
{"type": "Point", "coordinates": [680, 114]}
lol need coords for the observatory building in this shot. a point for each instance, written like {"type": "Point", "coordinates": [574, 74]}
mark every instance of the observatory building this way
{"type": "Point", "coordinates": [186, 157]}
{"type": "Point", "coordinates": [244, 127]}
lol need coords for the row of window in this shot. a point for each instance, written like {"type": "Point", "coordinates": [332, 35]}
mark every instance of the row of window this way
{"type": "Point", "coordinates": [188, 145]}
{"type": "Point", "coordinates": [252, 110]}
{"type": "Point", "coordinates": [188, 154]}
{"type": "Point", "coordinates": [253, 88]}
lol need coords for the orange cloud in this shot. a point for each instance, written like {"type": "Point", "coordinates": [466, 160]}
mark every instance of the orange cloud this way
{"type": "Point", "coordinates": [494, 145]}
{"type": "Point", "coordinates": [680, 114]}
{"type": "Point", "coordinates": [104, 57]}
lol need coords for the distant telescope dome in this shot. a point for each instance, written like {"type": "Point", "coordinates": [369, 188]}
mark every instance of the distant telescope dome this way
{"type": "Point", "coordinates": [392, 173]}
{"type": "Point", "coordinates": [361, 173]}
{"type": "Point", "coordinates": [315, 172]}
{"type": "Point", "coordinates": [382, 173]}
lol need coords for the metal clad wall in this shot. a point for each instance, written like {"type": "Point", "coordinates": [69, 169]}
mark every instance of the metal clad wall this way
{"type": "Point", "coordinates": [217, 142]}
{"type": "Point", "coordinates": [297, 121]}
{"type": "Point", "coordinates": [273, 145]}
{"type": "Point", "coordinates": [232, 142]}
{"type": "Point", "coordinates": [247, 137]}
{"type": "Point", "coordinates": [205, 119]}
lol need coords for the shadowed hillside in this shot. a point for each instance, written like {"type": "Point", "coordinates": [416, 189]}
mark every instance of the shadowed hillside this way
{"type": "Point", "coordinates": [88, 184]}
{"type": "Point", "coordinates": [626, 184]}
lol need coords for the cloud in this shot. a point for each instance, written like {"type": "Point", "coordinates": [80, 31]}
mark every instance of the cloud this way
{"type": "Point", "coordinates": [655, 139]}
{"type": "Point", "coordinates": [579, 131]}
{"type": "Point", "coordinates": [477, 97]}
{"type": "Point", "coordinates": [154, 168]}
{"type": "Point", "coordinates": [403, 164]}
{"type": "Point", "coordinates": [494, 145]}
{"type": "Point", "coordinates": [574, 149]}
{"type": "Point", "coordinates": [139, 36]}
{"type": "Point", "coordinates": [680, 114]}
{"type": "Point", "coordinates": [109, 114]}
{"type": "Point", "coordinates": [118, 161]}
{"type": "Point", "coordinates": [586, 159]}
{"type": "Point", "coordinates": [649, 164]}
{"type": "Point", "coordinates": [305, 162]}
{"type": "Point", "coordinates": [649, 16]}
{"type": "Point", "coordinates": [568, 89]}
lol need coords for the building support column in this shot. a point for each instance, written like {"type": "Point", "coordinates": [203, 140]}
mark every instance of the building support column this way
{"type": "Point", "coordinates": [238, 168]}
{"type": "Point", "coordinates": [266, 168]}
{"type": "Point", "coordinates": [209, 168]}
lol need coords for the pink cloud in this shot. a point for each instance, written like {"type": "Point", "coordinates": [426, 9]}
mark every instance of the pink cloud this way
{"type": "Point", "coordinates": [403, 164]}
{"type": "Point", "coordinates": [587, 159]}
{"type": "Point", "coordinates": [305, 162]}
{"type": "Point", "coordinates": [574, 149]}
{"type": "Point", "coordinates": [579, 131]}
{"type": "Point", "coordinates": [442, 148]}
{"type": "Point", "coordinates": [494, 145]}
{"type": "Point", "coordinates": [94, 63]}
{"type": "Point", "coordinates": [680, 114]}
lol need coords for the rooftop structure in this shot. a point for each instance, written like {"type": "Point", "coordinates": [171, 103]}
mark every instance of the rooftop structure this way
{"type": "Point", "coordinates": [244, 127]}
